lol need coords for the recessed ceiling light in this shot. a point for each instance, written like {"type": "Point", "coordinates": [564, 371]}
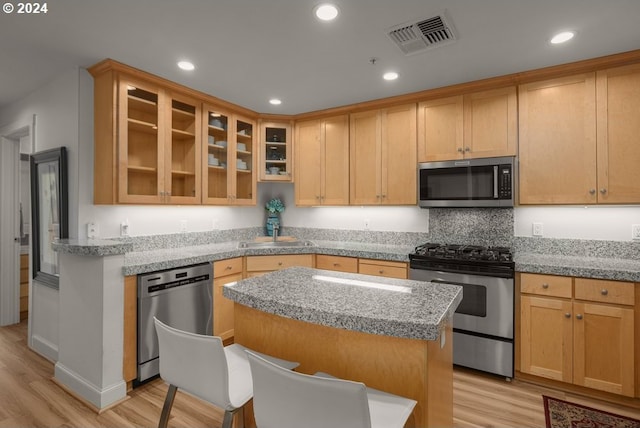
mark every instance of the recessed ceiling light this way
{"type": "Point", "coordinates": [565, 36]}
{"type": "Point", "coordinates": [326, 12]}
{"type": "Point", "coordinates": [275, 101]}
{"type": "Point", "coordinates": [186, 65]}
{"type": "Point", "coordinates": [391, 75]}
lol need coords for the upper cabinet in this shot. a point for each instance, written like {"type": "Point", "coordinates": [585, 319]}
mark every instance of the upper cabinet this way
{"type": "Point", "coordinates": [618, 128]}
{"type": "Point", "coordinates": [230, 162]}
{"type": "Point", "coordinates": [322, 162]}
{"type": "Point", "coordinates": [475, 125]}
{"type": "Point", "coordinates": [383, 156]}
{"type": "Point", "coordinates": [276, 143]}
{"type": "Point", "coordinates": [148, 149]}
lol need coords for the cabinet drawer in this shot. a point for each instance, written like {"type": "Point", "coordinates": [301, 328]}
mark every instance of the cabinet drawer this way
{"type": "Point", "coordinates": [337, 263]}
{"type": "Point", "coordinates": [266, 263]}
{"type": "Point", "coordinates": [599, 290]}
{"type": "Point", "coordinates": [227, 267]}
{"type": "Point", "coordinates": [383, 268]}
{"type": "Point", "coordinates": [545, 285]}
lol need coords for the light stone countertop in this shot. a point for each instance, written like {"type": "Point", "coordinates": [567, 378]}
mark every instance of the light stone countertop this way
{"type": "Point", "coordinates": [579, 266]}
{"type": "Point", "coordinates": [409, 309]}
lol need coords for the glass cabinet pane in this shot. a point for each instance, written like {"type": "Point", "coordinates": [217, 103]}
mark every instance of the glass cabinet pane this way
{"type": "Point", "coordinates": [183, 149]}
{"type": "Point", "coordinates": [142, 142]}
{"type": "Point", "coordinates": [217, 154]}
{"type": "Point", "coordinates": [244, 160]}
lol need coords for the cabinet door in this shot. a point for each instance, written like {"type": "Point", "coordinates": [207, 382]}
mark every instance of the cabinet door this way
{"type": "Point", "coordinates": [365, 159]}
{"type": "Point", "coordinates": [491, 123]}
{"type": "Point", "coordinates": [398, 156]}
{"type": "Point", "coordinates": [216, 158]}
{"type": "Point", "coordinates": [335, 161]}
{"type": "Point", "coordinates": [141, 129]}
{"type": "Point", "coordinates": [275, 145]}
{"type": "Point", "coordinates": [440, 129]}
{"type": "Point", "coordinates": [308, 163]}
{"type": "Point", "coordinates": [223, 307]}
{"type": "Point", "coordinates": [382, 268]}
{"type": "Point", "coordinates": [618, 101]}
{"type": "Point", "coordinates": [244, 184]}
{"type": "Point", "coordinates": [183, 151]}
{"type": "Point", "coordinates": [546, 334]}
{"type": "Point", "coordinates": [337, 263]}
{"type": "Point", "coordinates": [557, 141]}
{"type": "Point", "coordinates": [603, 347]}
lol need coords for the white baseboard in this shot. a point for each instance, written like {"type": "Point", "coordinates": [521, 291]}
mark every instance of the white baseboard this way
{"type": "Point", "coordinates": [100, 398]}
{"type": "Point", "coordinates": [47, 349]}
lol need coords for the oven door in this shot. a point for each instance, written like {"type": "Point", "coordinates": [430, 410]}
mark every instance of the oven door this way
{"type": "Point", "coordinates": [487, 302]}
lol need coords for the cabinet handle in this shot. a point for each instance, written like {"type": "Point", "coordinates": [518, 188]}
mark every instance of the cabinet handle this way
{"type": "Point", "coordinates": [592, 191]}
{"type": "Point", "coordinates": [567, 315]}
{"type": "Point", "coordinates": [228, 268]}
{"type": "Point", "coordinates": [336, 264]}
{"type": "Point", "coordinates": [604, 292]}
{"type": "Point", "coordinates": [384, 196]}
{"type": "Point", "coordinates": [279, 263]}
{"type": "Point", "coordinates": [467, 149]}
{"type": "Point", "coordinates": [579, 316]}
{"type": "Point", "coordinates": [545, 286]}
{"type": "Point", "coordinates": [381, 271]}
{"type": "Point", "coordinates": [459, 149]}
{"type": "Point", "coordinates": [318, 197]}
{"type": "Point", "coordinates": [603, 191]}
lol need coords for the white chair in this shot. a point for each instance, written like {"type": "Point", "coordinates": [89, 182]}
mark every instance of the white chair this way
{"type": "Point", "coordinates": [202, 366]}
{"type": "Point", "coordinates": [287, 399]}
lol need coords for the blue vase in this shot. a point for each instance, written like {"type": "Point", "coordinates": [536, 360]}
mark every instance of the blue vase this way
{"type": "Point", "coordinates": [272, 219]}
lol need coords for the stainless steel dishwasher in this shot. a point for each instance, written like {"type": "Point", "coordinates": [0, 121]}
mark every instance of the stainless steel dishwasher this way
{"type": "Point", "coordinates": [181, 298]}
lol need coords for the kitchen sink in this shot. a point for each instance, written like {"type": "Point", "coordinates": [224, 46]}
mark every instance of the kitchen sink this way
{"type": "Point", "coordinates": [277, 244]}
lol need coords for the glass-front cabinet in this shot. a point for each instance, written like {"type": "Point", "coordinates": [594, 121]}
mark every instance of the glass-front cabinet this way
{"type": "Point", "coordinates": [159, 146]}
{"type": "Point", "coordinates": [276, 161]}
{"type": "Point", "coordinates": [228, 164]}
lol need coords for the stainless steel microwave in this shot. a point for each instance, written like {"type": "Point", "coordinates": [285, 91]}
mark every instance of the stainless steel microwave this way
{"type": "Point", "coordinates": [487, 182]}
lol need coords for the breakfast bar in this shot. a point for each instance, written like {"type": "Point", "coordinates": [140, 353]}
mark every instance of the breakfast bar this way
{"type": "Point", "coordinates": [393, 335]}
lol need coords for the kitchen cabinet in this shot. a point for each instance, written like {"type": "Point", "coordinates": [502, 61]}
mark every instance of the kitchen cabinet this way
{"type": "Point", "coordinates": [578, 331]}
{"type": "Point", "coordinates": [224, 272]}
{"type": "Point", "coordinates": [337, 263]}
{"type": "Point", "coordinates": [618, 127]}
{"type": "Point", "coordinates": [383, 157]}
{"type": "Point", "coordinates": [322, 162]}
{"type": "Point", "coordinates": [130, 334]}
{"type": "Point", "coordinates": [276, 151]}
{"type": "Point", "coordinates": [258, 265]}
{"type": "Point", "coordinates": [230, 164]}
{"type": "Point", "coordinates": [476, 125]}
{"type": "Point", "coordinates": [384, 268]}
{"type": "Point", "coordinates": [147, 143]}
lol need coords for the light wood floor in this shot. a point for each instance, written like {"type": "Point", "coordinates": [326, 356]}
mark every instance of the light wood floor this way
{"type": "Point", "coordinates": [28, 398]}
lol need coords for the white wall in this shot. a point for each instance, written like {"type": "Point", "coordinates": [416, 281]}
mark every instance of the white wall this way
{"type": "Point", "coordinates": [593, 222]}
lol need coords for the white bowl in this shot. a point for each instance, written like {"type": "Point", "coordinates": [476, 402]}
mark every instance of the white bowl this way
{"type": "Point", "coordinates": [274, 170]}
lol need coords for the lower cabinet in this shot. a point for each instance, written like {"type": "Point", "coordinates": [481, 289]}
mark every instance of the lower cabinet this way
{"type": "Point", "coordinates": [383, 268]}
{"type": "Point", "coordinates": [258, 265]}
{"type": "Point", "coordinates": [224, 272]}
{"type": "Point", "coordinates": [337, 263]}
{"type": "Point", "coordinates": [130, 345]}
{"type": "Point", "coordinates": [579, 331]}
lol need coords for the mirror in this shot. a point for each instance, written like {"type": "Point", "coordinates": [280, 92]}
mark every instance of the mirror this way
{"type": "Point", "coordinates": [49, 207]}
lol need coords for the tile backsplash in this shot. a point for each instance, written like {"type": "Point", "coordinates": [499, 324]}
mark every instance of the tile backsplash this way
{"type": "Point", "coordinates": [471, 226]}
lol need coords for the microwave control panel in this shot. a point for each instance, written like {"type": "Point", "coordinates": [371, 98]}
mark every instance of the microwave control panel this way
{"type": "Point", "coordinates": [504, 189]}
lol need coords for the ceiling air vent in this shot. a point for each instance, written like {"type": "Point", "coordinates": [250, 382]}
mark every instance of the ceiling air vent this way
{"type": "Point", "coordinates": [419, 36]}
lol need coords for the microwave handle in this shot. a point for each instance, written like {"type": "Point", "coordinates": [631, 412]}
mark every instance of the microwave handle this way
{"type": "Point", "coordinates": [495, 182]}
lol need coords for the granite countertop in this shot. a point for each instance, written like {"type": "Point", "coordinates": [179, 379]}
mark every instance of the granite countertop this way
{"type": "Point", "coordinates": [579, 266]}
{"type": "Point", "coordinates": [410, 309]}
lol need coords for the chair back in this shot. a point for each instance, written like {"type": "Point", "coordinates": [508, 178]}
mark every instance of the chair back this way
{"type": "Point", "coordinates": [286, 399]}
{"type": "Point", "coordinates": [195, 363]}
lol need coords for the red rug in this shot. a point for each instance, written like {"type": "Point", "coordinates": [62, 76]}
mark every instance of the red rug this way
{"type": "Point", "coordinates": [562, 414]}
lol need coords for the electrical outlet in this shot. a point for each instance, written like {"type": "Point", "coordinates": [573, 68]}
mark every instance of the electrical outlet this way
{"type": "Point", "coordinates": [124, 228]}
{"type": "Point", "coordinates": [538, 230]}
{"type": "Point", "coordinates": [93, 230]}
{"type": "Point", "coordinates": [635, 231]}
{"type": "Point", "coordinates": [183, 225]}
{"type": "Point", "coordinates": [367, 223]}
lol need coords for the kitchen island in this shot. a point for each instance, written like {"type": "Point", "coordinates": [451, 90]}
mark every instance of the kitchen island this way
{"type": "Point", "coordinates": [393, 335]}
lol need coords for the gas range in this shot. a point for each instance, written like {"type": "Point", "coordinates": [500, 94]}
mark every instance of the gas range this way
{"type": "Point", "coordinates": [495, 261]}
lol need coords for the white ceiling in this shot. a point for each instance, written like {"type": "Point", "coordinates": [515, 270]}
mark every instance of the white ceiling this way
{"type": "Point", "coordinates": [247, 51]}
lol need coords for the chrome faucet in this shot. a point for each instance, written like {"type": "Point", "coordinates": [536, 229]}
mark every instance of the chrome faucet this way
{"type": "Point", "coordinates": [276, 229]}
